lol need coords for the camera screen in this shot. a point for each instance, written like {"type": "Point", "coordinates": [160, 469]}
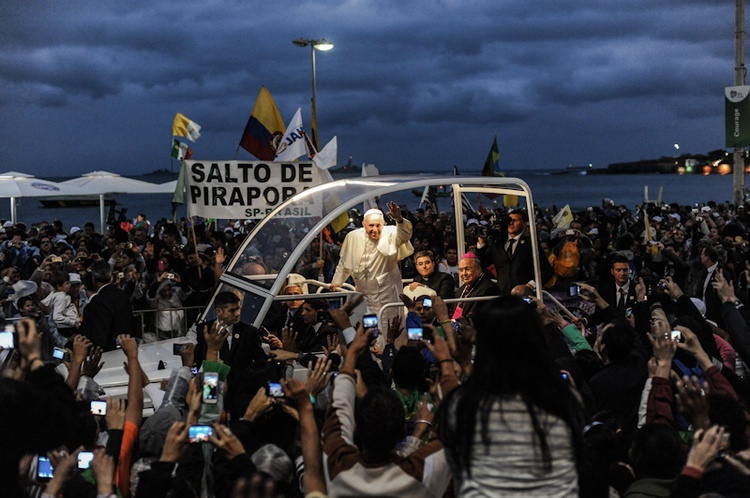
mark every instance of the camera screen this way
{"type": "Point", "coordinates": [415, 333]}
{"type": "Point", "coordinates": [84, 459]}
{"type": "Point", "coordinates": [210, 387]}
{"type": "Point", "coordinates": [98, 407]}
{"type": "Point", "coordinates": [200, 433]}
{"type": "Point", "coordinates": [275, 390]}
{"type": "Point", "coordinates": [370, 321]}
{"type": "Point", "coordinates": [427, 302]}
{"type": "Point", "coordinates": [6, 340]}
{"type": "Point", "coordinates": [44, 468]}
{"type": "Point", "coordinates": [58, 353]}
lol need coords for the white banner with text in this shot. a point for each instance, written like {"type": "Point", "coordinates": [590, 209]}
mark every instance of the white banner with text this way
{"type": "Point", "coordinates": [248, 190]}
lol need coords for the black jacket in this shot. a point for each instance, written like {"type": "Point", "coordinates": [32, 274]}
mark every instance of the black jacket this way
{"type": "Point", "coordinates": [482, 287]}
{"type": "Point", "coordinates": [108, 314]}
{"type": "Point", "coordinates": [442, 283]}
{"type": "Point", "coordinates": [245, 348]}
{"type": "Point", "coordinates": [516, 270]}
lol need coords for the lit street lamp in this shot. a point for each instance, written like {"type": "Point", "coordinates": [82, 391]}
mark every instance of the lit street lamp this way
{"type": "Point", "coordinates": [322, 45]}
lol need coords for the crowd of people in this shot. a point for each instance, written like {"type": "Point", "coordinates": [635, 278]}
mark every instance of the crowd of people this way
{"type": "Point", "coordinates": [628, 377]}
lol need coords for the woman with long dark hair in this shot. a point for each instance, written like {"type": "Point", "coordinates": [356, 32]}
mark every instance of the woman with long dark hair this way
{"type": "Point", "coordinates": [514, 426]}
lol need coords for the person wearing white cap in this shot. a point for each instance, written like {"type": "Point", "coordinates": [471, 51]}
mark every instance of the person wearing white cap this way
{"type": "Point", "coordinates": [371, 254]}
{"type": "Point", "coordinates": [77, 295]}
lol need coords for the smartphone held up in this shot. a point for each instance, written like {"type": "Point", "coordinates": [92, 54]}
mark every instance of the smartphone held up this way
{"type": "Point", "coordinates": [210, 388]}
{"type": "Point", "coordinates": [200, 433]}
{"type": "Point", "coordinates": [8, 337]}
{"type": "Point", "coordinates": [370, 322]}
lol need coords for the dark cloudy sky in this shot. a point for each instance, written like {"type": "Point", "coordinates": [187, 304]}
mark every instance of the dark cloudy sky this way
{"type": "Point", "coordinates": [410, 85]}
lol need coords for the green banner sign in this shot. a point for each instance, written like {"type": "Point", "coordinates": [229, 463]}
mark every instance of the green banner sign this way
{"type": "Point", "coordinates": [737, 116]}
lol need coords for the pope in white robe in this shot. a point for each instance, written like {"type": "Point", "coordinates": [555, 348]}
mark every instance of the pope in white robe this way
{"type": "Point", "coordinates": [371, 255]}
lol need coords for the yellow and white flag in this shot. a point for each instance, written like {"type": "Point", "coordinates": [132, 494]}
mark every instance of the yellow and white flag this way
{"type": "Point", "coordinates": [563, 219]}
{"type": "Point", "coordinates": [183, 127]}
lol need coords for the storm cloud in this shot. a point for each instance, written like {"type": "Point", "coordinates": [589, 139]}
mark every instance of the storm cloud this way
{"type": "Point", "coordinates": [409, 85]}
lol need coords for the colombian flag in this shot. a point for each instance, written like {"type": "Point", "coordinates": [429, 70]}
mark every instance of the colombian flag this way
{"type": "Point", "coordinates": [264, 128]}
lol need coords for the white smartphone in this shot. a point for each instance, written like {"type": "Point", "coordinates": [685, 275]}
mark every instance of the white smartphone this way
{"type": "Point", "coordinates": [210, 388]}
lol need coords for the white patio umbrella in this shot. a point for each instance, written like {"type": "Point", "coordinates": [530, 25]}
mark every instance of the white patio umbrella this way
{"type": "Point", "coordinates": [167, 188]}
{"type": "Point", "coordinates": [15, 185]}
{"type": "Point", "coordinates": [103, 182]}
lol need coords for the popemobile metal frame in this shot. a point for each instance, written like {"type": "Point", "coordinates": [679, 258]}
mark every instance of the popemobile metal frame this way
{"type": "Point", "coordinates": [292, 228]}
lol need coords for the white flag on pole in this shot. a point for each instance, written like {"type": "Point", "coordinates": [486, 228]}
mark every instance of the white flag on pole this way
{"type": "Point", "coordinates": [292, 145]}
{"type": "Point", "coordinates": [326, 157]}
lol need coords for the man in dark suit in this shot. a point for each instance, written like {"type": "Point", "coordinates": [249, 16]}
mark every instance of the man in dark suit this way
{"type": "Point", "coordinates": [442, 283]}
{"type": "Point", "coordinates": [512, 255]}
{"type": "Point", "coordinates": [286, 314]}
{"type": "Point", "coordinates": [312, 333]}
{"type": "Point", "coordinates": [240, 343]}
{"type": "Point", "coordinates": [705, 291]}
{"type": "Point", "coordinates": [476, 283]}
{"type": "Point", "coordinates": [620, 291]}
{"type": "Point", "coordinates": [109, 312]}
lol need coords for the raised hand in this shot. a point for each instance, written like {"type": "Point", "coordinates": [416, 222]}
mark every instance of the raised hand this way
{"type": "Point", "coordinates": [129, 345]}
{"type": "Point", "coordinates": [693, 401]}
{"type": "Point", "coordinates": [176, 442]}
{"type": "Point", "coordinates": [187, 354]}
{"type": "Point", "coordinates": [115, 413]}
{"type": "Point", "coordinates": [91, 365]}
{"type": "Point", "coordinates": [103, 466]}
{"type": "Point", "coordinates": [706, 446]}
{"type": "Point", "coordinates": [224, 439]}
{"type": "Point", "coordinates": [259, 405]}
{"type": "Point", "coordinates": [288, 339]}
{"type": "Point", "coordinates": [394, 211]}
{"type": "Point", "coordinates": [394, 329]}
{"type": "Point", "coordinates": [317, 378]}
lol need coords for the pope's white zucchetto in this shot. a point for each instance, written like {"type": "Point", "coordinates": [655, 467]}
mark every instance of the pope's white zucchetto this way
{"type": "Point", "coordinates": [374, 212]}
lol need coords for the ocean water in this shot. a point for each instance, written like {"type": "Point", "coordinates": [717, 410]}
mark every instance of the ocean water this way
{"type": "Point", "coordinates": [581, 191]}
{"type": "Point", "coordinates": [548, 189]}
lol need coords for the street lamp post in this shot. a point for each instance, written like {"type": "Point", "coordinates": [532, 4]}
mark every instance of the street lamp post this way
{"type": "Point", "coordinates": [324, 46]}
{"type": "Point", "coordinates": [738, 190]}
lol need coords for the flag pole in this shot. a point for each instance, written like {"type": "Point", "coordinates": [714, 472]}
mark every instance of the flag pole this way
{"type": "Point", "coordinates": [321, 277]}
{"type": "Point", "coordinates": [195, 245]}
